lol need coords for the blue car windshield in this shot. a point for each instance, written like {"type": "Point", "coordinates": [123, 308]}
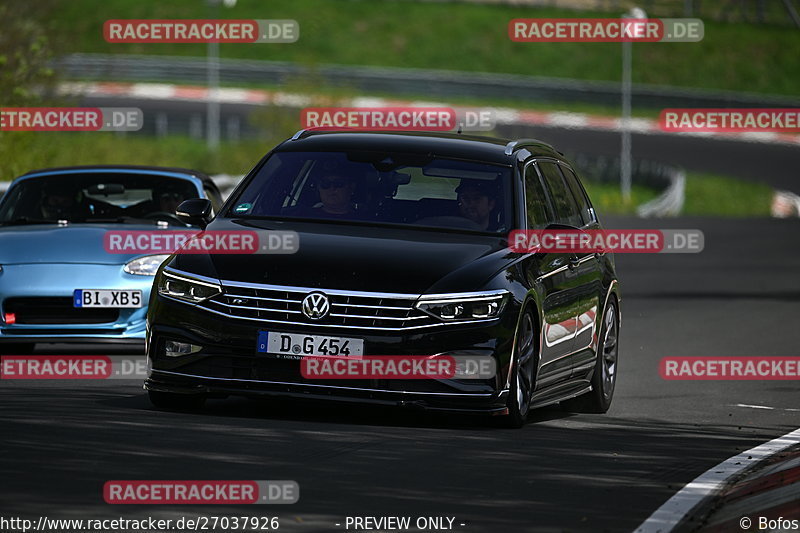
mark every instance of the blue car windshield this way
{"type": "Point", "coordinates": [387, 188]}
{"type": "Point", "coordinates": [94, 197]}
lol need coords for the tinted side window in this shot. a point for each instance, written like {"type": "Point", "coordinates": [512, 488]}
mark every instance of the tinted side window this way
{"type": "Point", "coordinates": [535, 199]}
{"type": "Point", "coordinates": [585, 207]}
{"type": "Point", "coordinates": [564, 203]}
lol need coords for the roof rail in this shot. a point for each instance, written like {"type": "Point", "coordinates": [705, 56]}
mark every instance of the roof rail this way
{"type": "Point", "coordinates": [298, 134]}
{"type": "Point", "coordinates": [519, 143]}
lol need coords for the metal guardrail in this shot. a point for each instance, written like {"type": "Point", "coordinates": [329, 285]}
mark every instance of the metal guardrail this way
{"type": "Point", "coordinates": [668, 179]}
{"type": "Point", "coordinates": [432, 84]}
{"type": "Point", "coordinates": [669, 202]}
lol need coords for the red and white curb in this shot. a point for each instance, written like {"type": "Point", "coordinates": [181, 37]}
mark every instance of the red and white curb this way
{"type": "Point", "coordinates": [503, 115]}
{"type": "Point", "coordinates": [771, 494]}
{"type": "Point", "coordinates": [712, 483]}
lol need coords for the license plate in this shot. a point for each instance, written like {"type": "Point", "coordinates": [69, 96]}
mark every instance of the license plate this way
{"type": "Point", "coordinates": [106, 298]}
{"type": "Point", "coordinates": [298, 345]}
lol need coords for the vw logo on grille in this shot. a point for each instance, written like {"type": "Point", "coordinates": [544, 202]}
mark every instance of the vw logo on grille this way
{"type": "Point", "coordinates": [316, 306]}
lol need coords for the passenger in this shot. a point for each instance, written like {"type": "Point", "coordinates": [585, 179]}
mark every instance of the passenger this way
{"type": "Point", "coordinates": [476, 200]}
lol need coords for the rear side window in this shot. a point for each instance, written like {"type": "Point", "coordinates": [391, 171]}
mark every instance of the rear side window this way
{"type": "Point", "coordinates": [584, 206]}
{"type": "Point", "coordinates": [535, 200]}
{"type": "Point", "coordinates": [563, 201]}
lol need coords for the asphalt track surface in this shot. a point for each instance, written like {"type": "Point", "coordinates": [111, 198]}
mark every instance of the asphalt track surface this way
{"type": "Point", "coordinates": [61, 441]}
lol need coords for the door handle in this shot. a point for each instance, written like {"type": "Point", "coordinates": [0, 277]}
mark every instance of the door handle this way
{"type": "Point", "coordinates": [574, 262]}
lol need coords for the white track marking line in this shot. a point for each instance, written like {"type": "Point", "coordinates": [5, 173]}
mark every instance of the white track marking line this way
{"type": "Point", "coordinates": [754, 406]}
{"type": "Point", "coordinates": [764, 407]}
{"type": "Point", "coordinates": [666, 517]}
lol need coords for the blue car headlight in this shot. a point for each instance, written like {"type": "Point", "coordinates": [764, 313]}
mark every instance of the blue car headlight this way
{"type": "Point", "coordinates": [145, 266]}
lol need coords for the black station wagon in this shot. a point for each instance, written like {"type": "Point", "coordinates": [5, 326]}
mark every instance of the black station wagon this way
{"type": "Point", "coordinates": [403, 250]}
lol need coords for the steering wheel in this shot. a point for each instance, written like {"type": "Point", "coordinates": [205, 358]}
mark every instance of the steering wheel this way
{"type": "Point", "coordinates": [160, 215]}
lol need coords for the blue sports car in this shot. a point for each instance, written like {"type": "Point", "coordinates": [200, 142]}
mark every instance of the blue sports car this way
{"type": "Point", "coordinates": [57, 281]}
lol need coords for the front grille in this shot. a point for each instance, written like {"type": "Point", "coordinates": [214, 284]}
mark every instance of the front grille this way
{"type": "Point", "coordinates": [349, 310]}
{"type": "Point", "coordinates": [56, 311]}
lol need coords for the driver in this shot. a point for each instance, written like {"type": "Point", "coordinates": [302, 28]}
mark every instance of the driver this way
{"type": "Point", "coordinates": [60, 201]}
{"type": "Point", "coordinates": [476, 200]}
{"type": "Point", "coordinates": [168, 200]}
{"type": "Point", "coordinates": [336, 189]}
{"type": "Point", "coordinates": [336, 194]}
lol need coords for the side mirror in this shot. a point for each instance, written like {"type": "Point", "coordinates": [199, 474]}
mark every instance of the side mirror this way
{"type": "Point", "coordinates": [196, 212]}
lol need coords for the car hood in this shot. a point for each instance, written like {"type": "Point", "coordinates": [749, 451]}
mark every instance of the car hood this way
{"type": "Point", "coordinates": [51, 243]}
{"type": "Point", "coordinates": [365, 258]}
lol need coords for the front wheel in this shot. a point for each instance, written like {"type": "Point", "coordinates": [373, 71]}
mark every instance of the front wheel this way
{"type": "Point", "coordinates": [604, 378]}
{"type": "Point", "coordinates": [522, 374]}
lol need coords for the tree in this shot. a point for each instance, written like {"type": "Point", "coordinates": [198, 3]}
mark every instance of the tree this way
{"type": "Point", "coordinates": [25, 51]}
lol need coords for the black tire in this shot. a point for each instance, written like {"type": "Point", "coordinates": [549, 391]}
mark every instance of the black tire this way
{"type": "Point", "coordinates": [17, 348]}
{"type": "Point", "coordinates": [170, 400]}
{"type": "Point", "coordinates": [523, 374]}
{"type": "Point", "coordinates": [604, 377]}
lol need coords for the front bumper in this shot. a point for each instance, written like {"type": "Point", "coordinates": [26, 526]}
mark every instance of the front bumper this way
{"type": "Point", "coordinates": [229, 364]}
{"type": "Point", "coordinates": [178, 383]}
{"type": "Point", "coordinates": [60, 280]}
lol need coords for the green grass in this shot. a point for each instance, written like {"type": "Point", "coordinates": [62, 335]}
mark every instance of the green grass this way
{"type": "Point", "coordinates": [706, 194]}
{"type": "Point", "coordinates": [23, 151]}
{"type": "Point", "coordinates": [709, 194]}
{"type": "Point", "coordinates": [463, 36]}
{"type": "Point", "coordinates": [607, 198]}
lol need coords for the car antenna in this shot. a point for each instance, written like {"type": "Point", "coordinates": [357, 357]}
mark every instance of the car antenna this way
{"type": "Point", "coordinates": [460, 124]}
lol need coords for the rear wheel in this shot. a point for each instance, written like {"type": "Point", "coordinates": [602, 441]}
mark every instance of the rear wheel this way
{"type": "Point", "coordinates": [170, 400]}
{"type": "Point", "coordinates": [17, 348]}
{"type": "Point", "coordinates": [604, 379]}
{"type": "Point", "coordinates": [523, 374]}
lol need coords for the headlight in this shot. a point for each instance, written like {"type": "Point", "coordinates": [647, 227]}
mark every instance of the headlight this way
{"type": "Point", "coordinates": [188, 290]}
{"type": "Point", "coordinates": [145, 266]}
{"type": "Point", "coordinates": [468, 306]}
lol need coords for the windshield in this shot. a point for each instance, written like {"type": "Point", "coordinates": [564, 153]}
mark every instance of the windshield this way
{"type": "Point", "coordinates": [388, 188]}
{"type": "Point", "coordinates": [95, 197]}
